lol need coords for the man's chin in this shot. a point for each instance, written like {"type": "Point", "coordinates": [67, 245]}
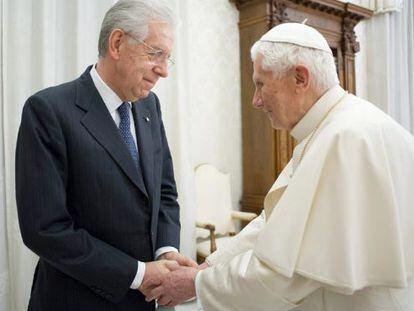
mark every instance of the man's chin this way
{"type": "Point", "coordinates": [278, 126]}
{"type": "Point", "coordinates": [275, 125]}
{"type": "Point", "coordinates": [143, 94]}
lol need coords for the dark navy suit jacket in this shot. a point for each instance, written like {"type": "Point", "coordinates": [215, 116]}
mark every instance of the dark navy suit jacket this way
{"type": "Point", "coordinates": [83, 207]}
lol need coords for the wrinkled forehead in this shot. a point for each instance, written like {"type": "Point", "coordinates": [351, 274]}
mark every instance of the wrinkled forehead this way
{"type": "Point", "coordinates": [160, 35]}
{"type": "Point", "coordinates": [258, 70]}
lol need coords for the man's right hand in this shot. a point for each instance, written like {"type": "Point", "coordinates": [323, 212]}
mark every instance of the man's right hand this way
{"type": "Point", "coordinates": [154, 274]}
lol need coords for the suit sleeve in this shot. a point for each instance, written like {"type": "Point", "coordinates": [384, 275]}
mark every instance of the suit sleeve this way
{"type": "Point", "coordinates": [46, 226]}
{"type": "Point", "coordinates": [168, 229]}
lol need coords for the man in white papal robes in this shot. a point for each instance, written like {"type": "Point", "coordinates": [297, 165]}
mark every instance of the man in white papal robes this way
{"type": "Point", "coordinates": [337, 231]}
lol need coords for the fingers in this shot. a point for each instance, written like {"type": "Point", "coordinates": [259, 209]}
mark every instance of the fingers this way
{"type": "Point", "coordinates": [171, 265]}
{"type": "Point", "coordinates": [149, 285]}
{"type": "Point", "coordinates": [203, 266]}
{"type": "Point", "coordinates": [155, 293]}
{"type": "Point", "coordinates": [181, 259]}
{"type": "Point", "coordinates": [176, 287]}
{"type": "Point", "coordinates": [169, 281]}
{"type": "Point", "coordinates": [161, 297]}
{"type": "Point", "coordinates": [165, 300]}
{"type": "Point", "coordinates": [145, 290]}
{"type": "Point", "coordinates": [155, 272]}
{"type": "Point", "coordinates": [184, 261]}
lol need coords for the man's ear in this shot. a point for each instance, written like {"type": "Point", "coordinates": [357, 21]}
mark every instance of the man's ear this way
{"type": "Point", "coordinates": [302, 77]}
{"type": "Point", "coordinates": [115, 40]}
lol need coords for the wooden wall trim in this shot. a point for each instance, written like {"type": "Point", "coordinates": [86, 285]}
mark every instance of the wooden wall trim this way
{"type": "Point", "coordinates": [267, 151]}
{"type": "Point", "coordinates": [252, 203]}
{"type": "Point", "coordinates": [334, 7]}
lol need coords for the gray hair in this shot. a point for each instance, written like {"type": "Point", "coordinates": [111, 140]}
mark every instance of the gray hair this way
{"type": "Point", "coordinates": [280, 57]}
{"type": "Point", "coordinates": [133, 17]}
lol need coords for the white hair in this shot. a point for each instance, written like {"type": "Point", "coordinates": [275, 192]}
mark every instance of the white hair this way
{"type": "Point", "coordinates": [281, 57]}
{"type": "Point", "coordinates": [133, 17]}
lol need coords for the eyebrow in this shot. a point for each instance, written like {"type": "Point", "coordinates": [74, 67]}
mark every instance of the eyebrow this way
{"type": "Point", "coordinates": [157, 48]}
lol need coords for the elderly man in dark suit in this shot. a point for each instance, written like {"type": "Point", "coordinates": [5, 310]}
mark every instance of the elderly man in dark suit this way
{"type": "Point", "coordinates": [95, 188]}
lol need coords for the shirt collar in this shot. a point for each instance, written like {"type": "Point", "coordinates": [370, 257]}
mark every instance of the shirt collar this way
{"type": "Point", "coordinates": [110, 98]}
{"type": "Point", "coordinates": [311, 119]}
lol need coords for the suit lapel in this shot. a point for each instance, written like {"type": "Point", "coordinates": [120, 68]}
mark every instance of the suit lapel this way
{"type": "Point", "coordinates": [101, 126]}
{"type": "Point", "coordinates": [143, 124]}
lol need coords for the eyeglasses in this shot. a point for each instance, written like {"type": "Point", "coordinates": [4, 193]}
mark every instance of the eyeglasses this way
{"type": "Point", "coordinates": [155, 55]}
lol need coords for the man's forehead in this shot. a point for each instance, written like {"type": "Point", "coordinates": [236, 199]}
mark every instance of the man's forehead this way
{"type": "Point", "coordinates": [159, 30]}
{"type": "Point", "coordinates": [257, 64]}
{"type": "Point", "coordinates": [160, 35]}
{"type": "Point", "coordinates": [256, 74]}
{"type": "Point", "coordinates": [258, 70]}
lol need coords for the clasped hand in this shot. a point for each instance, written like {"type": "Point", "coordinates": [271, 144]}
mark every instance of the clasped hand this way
{"type": "Point", "coordinates": [170, 280]}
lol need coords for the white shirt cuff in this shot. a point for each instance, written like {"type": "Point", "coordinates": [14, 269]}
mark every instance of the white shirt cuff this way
{"type": "Point", "coordinates": [139, 276]}
{"type": "Point", "coordinates": [199, 306]}
{"type": "Point", "coordinates": [141, 266]}
{"type": "Point", "coordinates": [163, 250]}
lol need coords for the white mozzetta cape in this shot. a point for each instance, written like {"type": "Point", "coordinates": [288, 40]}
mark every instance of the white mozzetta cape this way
{"type": "Point", "coordinates": [339, 229]}
{"type": "Point", "coordinates": [346, 218]}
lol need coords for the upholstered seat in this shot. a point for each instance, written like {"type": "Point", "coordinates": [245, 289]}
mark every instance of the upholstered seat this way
{"type": "Point", "coordinates": [215, 214]}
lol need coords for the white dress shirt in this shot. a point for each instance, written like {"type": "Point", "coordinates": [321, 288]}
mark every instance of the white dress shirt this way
{"type": "Point", "coordinates": [112, 103]}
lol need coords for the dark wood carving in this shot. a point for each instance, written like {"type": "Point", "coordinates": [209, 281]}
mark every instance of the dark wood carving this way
{"type": "Point", "coordinates": [350, 45]}
{"type": "Point", "coordinates": [266, 151]}
{"type": "Point", "coordinates": [279, 14]}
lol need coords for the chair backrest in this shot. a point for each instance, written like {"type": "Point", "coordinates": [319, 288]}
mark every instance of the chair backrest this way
{"type": "Point", "coordinates": [213, 199]}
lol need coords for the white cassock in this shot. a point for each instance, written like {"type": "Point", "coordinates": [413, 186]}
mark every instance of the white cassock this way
{"type": "Point", "coordinates": [337, 233]}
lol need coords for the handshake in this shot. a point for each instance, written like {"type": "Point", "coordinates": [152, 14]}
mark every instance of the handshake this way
{"type": "Point", "coordinates": [170, 280]}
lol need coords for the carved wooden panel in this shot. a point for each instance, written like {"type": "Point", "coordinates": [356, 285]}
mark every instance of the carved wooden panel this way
{"type": "Point", "coordinates": [266, 151]}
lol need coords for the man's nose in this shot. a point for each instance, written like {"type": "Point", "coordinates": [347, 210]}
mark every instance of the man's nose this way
{"type": "Point", "coordinates": [161, 69]}
{"type": "Point", "coordinates": [257, 101]}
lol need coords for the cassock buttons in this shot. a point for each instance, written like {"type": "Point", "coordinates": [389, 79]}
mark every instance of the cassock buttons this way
{"type": "Point", "coordinates": [147, 119]}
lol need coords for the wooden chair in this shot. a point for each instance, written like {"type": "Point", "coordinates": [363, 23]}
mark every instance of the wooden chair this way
{"type": "Point", "coordinates": [215, 220]}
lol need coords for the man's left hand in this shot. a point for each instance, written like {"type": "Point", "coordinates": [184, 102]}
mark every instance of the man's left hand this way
{"type": "Point", "coordinates": [180, 259]}
{"type": "Point", "coordinates": [177, 287]}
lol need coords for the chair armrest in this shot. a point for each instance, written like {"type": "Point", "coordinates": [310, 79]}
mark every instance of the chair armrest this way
{"type": "Point", "coordinates": [207, 226]}
{"type": "Point", "coordinates": [211, 228]}
{"type": "Point", "coordinates": [244, 216]}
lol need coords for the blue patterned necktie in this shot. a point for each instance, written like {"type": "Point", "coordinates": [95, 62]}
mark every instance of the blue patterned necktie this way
{"type": "Point", "coordinates": [125, 130]}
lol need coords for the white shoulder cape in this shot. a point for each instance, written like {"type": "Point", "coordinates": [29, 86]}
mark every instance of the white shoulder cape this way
{"type": "Point", "coordinates": [346, 217]}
